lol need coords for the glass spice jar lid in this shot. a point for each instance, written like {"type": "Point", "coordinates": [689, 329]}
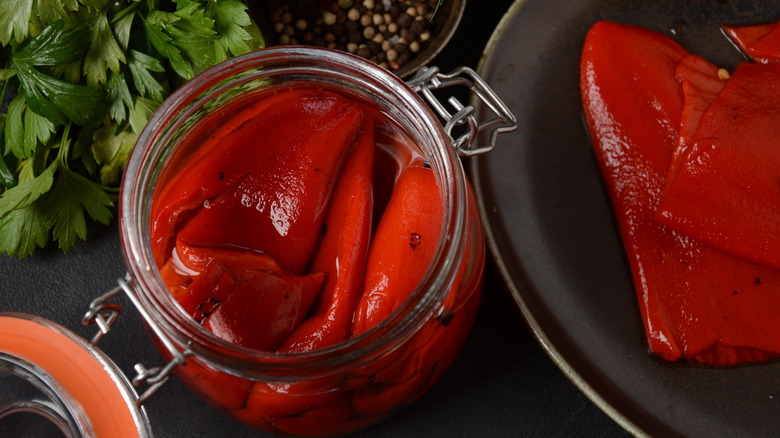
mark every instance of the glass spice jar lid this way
{"type": "Point", "coordinates": [55, 383]}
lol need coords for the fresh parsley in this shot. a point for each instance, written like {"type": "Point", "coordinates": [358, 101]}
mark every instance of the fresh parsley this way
{"type": "Point", "coordinates": [79, 79]}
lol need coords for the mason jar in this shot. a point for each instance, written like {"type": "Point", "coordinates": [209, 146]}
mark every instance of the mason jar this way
{"type": "Point", "coordinates": [361, 380]}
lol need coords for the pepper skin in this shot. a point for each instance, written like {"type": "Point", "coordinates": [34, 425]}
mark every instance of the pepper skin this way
{"type": "Point", "coordinates": [761, 42]}
{"type": "Point", "coordinates": [342, 252]}
{"type": "Point", "coordinates": [403, 247]}
{"type": "Point", "coordinates": [726, 193]}
{"type": "Point", "coordinates": [241, 265]}
{"type": "Point", "coordinates": [409, 373]}
{"type": "Point", "coordinates": [198, 177]}
{"type": "Point", "coordinates": [272, 199]}
{"type": "Point", "coordinates": [701, 82]}
{"type": "Point", "coordinates": [697, 303]}
{"type": "Point", "coordinates": [265, 310]}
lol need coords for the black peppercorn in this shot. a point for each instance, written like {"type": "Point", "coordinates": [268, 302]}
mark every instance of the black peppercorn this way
{"type": "Point", "coordinates": [390, 33]}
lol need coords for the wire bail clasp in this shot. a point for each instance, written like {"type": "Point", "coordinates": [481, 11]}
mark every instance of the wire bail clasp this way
{"type": "Point", "coordinates": [104, 314]}
{"type": "Point", "coordinates": [466, 144]}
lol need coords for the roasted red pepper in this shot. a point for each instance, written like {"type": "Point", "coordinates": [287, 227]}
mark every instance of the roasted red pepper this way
{"type": "Point", "coordinates": [272, 199]}
{"type": "Point", "coordinates": [697, 302]}
{"type": "Point", "coordinates": [342, 252]}
{"type": "Point", "coordinates": [759, 42]}
{"type": "Point", "coordinates": [701, 82]}
{"type": "Point", "coordinates": [727, 191]}
{"type": "Point", "coordinates": [403, 247]}
{"type": "Point", "coordinates": [265, 310]}
{"type": "Point", "coordinates": [320, 272]}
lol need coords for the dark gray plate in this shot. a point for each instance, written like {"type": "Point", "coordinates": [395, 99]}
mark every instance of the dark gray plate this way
{"type": "Point", "coordinates": [552, 231]}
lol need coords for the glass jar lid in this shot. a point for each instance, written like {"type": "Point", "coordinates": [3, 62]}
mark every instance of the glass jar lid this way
{"type": "Point", "coordinates": [55, 382]}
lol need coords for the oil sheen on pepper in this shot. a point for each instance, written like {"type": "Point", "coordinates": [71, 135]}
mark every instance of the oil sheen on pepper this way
{"type": "Point", "coordinates": [292, 221]}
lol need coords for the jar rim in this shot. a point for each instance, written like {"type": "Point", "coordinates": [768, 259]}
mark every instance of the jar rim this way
{"type": "Point", "coordinates": [135, 198]}
{"type": "Point", "coordinates": [76, 378]}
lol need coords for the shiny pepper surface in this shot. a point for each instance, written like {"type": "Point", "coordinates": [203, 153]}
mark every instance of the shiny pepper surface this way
{"type": "Point", "coordinates": [697, 303]}
{"type": "Point", "coordinates": [760, 42]}
{"type": "Point", "coordinates": [726, 192]}
{"type": "Point", "coordinates": [260, 274]}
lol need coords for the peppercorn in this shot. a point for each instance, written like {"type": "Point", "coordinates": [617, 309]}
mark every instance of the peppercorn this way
{"type": "Point", "coordinates": [389, 33]}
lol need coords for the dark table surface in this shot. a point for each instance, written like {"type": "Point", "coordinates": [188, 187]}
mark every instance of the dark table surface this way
{"type": "Point", "coordinates": [502, 384]}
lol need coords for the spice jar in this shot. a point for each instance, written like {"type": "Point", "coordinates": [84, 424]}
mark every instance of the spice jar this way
{"type": "Point", "coordinates": [363, 379]}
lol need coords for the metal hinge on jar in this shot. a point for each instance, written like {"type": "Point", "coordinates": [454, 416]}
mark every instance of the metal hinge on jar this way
{"type": "Point", "coordinates": [466, 144]}
{"type": "Point", "coordinates": [104, 314]}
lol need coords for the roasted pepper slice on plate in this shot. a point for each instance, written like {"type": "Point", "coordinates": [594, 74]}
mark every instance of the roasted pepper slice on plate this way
{"type": "Point", "coordinates": [697, 303]}
{"type": "Point", "coordinates": [760, 42]}
{"type": "Point", "coordinates": [701, 82]}
{"type": "Point", "coordinates": [727, 190]}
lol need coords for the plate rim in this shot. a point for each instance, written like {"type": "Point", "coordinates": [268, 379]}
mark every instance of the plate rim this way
{"type": "Point", "coordinates": [514, 289]}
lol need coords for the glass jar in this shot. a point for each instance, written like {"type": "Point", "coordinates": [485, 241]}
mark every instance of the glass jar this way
{"type": "Point", "coordinates": [354, 383]}
{"type": "Point", "coordinates": [54, 383]}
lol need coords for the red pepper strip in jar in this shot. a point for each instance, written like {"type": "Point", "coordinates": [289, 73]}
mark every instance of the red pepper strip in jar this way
{"type": "Point", "coordinates": [202, 179]}
{"type": "Point", "coordinates": [697, 303]}
{"type": "Point", "coordinates": [403, 247]}
{"type": "Point", "coordinates": [272, 199]}
{"type": "Point", "coordinates": [265, 310]}
{"type": "Point", "coordinates": [341, 253]}
{"type": "Point", "coordinates": [210, 287]}
{"type": "Point", "coordinates": [305, 409]}
{"type": "Point", "coordinates": [701, 82]}
{"type": "Point", "coordinates": [761, 42]}
{"type": "Point", "coordinates": [223, 391]}
{"type": "Point", "coordinates": [726, 193]}
{"type": "Point", "coordinates": [405, 380]}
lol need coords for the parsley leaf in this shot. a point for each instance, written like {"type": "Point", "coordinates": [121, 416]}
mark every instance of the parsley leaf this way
{"type": "Point", "coordinates": [119, 96]}
{"type": "Point", "coordinates": [230, 22]}
{"type": "Point", "coordinates": [53, 10]}
{"type": "Point", "coordinates": [54, 46]}
{"type": "Point", "coordinates": [142, 67]}
{"type": "Point", "coordinates": [26, 193]}
{"type": "Point", "coordinates": [90, 73]}
{"type": "Point", "coordinates": [65, 205]}
{"type": "Point", "coordinates": [24, 230]}
{"type": "Point", "coordinates": [14, 20]}
{"type": "Point", "coordinates": [111, 148]}
{"type": "Point", "coordinates": [163, 43]}
{"type": "Point", "coordinates": [7, 178]}
{"type": "Point", "coordinates": [103, 53]}
{"type": "Point", "coordinates": [59, 100]}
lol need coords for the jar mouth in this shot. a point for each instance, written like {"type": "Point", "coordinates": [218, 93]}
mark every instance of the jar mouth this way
{"type": "Point", "coordinates": [289, 65]}
{"type": "Point", "coordinates": [54, 381]}
{"type": "Point", "coordinates": [32, 400]}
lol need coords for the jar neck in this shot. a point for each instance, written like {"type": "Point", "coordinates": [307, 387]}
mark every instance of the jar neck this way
{"type": "Point", "coordinates": [339, 72]}
{"type": "Point", "coordinates": [32, 403]}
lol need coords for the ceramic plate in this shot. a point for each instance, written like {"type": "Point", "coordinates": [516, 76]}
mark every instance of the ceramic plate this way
{"type": "Point", "coordinates": [553, 234]}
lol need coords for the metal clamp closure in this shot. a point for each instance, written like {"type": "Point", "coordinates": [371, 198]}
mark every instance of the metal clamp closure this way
{"type": "Point", "coordinates": [466, 144]}
{"type": "Point", "coordinates": [104, 314]}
